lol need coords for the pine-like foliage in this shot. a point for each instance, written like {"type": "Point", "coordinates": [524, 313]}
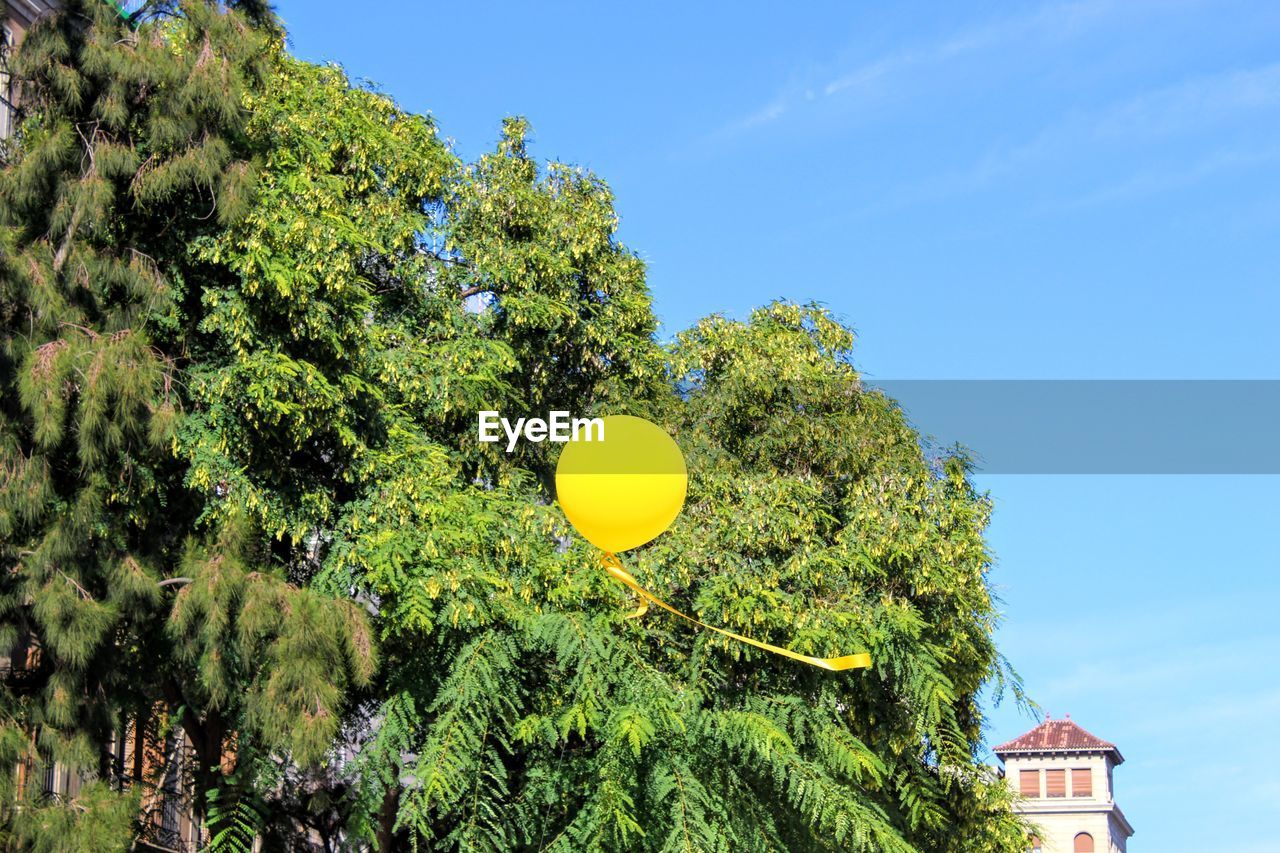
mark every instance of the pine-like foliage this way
{"type": "Point", "coordinates": [116, 571]}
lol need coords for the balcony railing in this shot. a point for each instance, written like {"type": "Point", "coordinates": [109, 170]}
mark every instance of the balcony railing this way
{"type": "Point", "coordinates": [20, 679]}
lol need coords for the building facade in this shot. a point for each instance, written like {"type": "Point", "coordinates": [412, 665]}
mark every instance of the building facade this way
{"type": "Point", "coordinates": [19, 15]}
{"type": "Point", "coordinates": [1064, 776]}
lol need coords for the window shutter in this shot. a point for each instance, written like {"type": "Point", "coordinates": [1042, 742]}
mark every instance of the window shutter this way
{"type": "Point", "coordinates": [1055, 783]}
{"type": "Point", "coordinates": [1081, 782]}
{"type": "Point", "coordinates": [1084, 843]}
{"type": "Point", "coordinates": [1029, 783]}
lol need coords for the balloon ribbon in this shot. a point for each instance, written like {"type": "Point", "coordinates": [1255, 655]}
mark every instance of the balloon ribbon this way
{"type": "Point", "coordinates": [614, 567]}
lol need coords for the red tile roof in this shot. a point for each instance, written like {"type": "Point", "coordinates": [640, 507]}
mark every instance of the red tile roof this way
{"type": "Point", "coordinates": [1057, 736]}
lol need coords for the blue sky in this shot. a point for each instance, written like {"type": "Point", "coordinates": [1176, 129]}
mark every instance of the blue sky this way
{"type": "Point", "coordinates": [1067, 190]}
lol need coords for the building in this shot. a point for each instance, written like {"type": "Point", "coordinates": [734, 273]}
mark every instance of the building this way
{"type": "Point", "coordinates": [145, 754]}
{"type": "Point", "coordinates": [18, 18]}
{"type": "Point", "coordinates": [1064, 775]}
{"type": "Point", "coordinates": [19, 15]}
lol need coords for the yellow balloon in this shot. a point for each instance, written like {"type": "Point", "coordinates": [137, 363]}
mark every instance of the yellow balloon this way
{"type": "Point", "coordinates": [625, 490]}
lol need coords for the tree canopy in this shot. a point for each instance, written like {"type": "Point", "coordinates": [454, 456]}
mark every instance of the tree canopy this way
{"type": "Point", "coordinates": [250, 312]}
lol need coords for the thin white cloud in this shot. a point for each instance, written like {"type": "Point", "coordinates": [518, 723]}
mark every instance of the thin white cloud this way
{"type": "Point", "coordinates": [1154, 181]}
{"type": "Point", "coordinates": [1194, 102]}
{"type": "Point", "coordinates": [868, 74]}
{"type": "Point", "coordinates": [1188, 106]}
{"type": "Point", "coordinates": [1185, 108]}
{"type": "Point", "coordinates": [1057, 20]}
{"type": "Point", "coordinates": [766, 114]}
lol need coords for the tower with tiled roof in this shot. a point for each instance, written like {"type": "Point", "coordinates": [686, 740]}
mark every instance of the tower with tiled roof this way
{"type": "Point", "coordinates": [1064, 775]}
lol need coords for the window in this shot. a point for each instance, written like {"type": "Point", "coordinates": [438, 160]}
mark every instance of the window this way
{"type": "Point", "coordinates": [1081, 782]}
{"type": "Point", "coordinates": [1084, 843]}
{"type": "Point", "coordinates": [1029, 783]}
{"type": "Point", "coordinates": [1036, 846]}
{"type": "Point", "coordinates": [6, 90]}
{"type": "Point", "coordinates": [51, 785]}
{"type": "Point", "coordinates": [1055, 783]}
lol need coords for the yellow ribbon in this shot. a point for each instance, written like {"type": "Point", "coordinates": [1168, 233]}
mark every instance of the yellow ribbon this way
{"type": "Point", "coordinates": [614, 567]}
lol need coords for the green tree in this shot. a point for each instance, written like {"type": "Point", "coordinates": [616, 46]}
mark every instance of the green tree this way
{"type": "Point", "coordinates": [252, 375]}
{"type": "Point", "coordinates": [137, 583]}
{"type": "Point", "coordinates": [518, 707]}
{"type": "Point", "coordinates": [815, 517]}
{"type": "Point", "coordinates": [382, 292]}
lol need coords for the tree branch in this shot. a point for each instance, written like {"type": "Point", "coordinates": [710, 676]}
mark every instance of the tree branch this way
{"type": "Point", "coordinates": [84, 593]}
{"type": "Point", "coordinates": [60, 257]}
{"type": "Point", "coordinates": [474, 291]}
